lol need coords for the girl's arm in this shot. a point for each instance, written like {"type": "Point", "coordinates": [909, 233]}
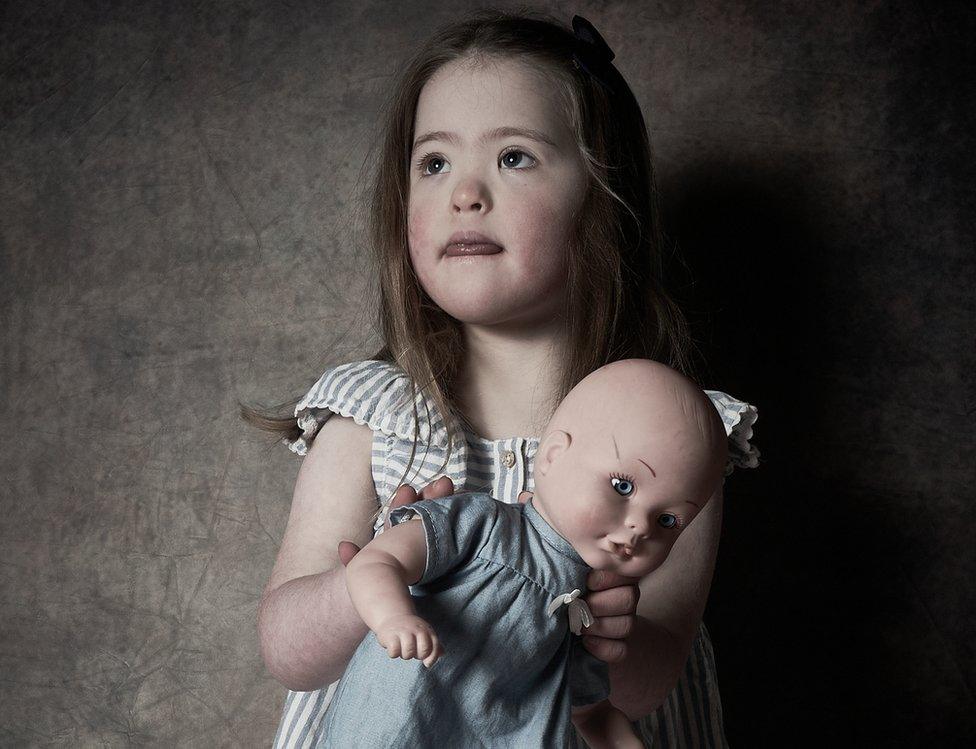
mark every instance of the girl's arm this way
{"type": "Point", "coordinates": [307, 624]}
{"type": "Point", "coordinates": [603, 726]}
{"type": "Point", "coordinates": [672, 601]}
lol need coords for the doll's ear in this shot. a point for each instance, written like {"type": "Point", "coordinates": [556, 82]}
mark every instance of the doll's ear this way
{"type": "Point", "coordinates": [553, 444]}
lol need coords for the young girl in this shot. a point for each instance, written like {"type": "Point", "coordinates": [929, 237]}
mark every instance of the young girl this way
{"type": "Point", "coordinates": [518, 249]}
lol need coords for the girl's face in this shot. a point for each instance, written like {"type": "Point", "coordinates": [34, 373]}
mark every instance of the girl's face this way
{"type": "Point", "coordinates": [494, 156]}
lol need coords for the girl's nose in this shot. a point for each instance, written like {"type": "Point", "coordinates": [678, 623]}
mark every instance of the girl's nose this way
{"type": "Point", "coordinates": [471, 195]}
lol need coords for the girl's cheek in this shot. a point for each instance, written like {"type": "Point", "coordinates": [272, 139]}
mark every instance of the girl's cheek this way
{"type": "Point", "coordinates": [546, 222]}
{"type": "Point", "coordinates": [416, 228]}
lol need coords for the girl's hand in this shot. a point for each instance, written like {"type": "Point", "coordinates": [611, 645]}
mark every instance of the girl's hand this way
{"type": "Point", "coordinates": [613, 602]}
{"type": "Point", "coordinates": [405, 495]}
{"type": "Point", "coordinates": [408, 636]}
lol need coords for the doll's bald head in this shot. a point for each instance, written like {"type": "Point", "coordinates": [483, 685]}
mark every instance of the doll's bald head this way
{"type": "Point", "coordinates": [637, 400]}
{"type": "Point", "coordinates": [629, 458]}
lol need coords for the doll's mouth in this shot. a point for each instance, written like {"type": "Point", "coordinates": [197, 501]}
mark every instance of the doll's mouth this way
{"type": "Point", "coordinates": [621, 551]}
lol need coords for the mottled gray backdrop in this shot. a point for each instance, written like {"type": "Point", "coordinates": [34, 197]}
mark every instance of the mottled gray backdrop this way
{"type": "Point", "coordinates": [180, 229]}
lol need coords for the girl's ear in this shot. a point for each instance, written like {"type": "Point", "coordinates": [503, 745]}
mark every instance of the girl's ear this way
{"type": "Point", "coordinates": [553, 444]}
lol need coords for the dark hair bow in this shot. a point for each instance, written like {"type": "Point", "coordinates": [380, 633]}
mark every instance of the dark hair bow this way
{"type": "Point", "coordinates": [592, 53]}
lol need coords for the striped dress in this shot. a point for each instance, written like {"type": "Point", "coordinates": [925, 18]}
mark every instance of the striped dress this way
{"type": "Point", "coordinates": [378, 394]}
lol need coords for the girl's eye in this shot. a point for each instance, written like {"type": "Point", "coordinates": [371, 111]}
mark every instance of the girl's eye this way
{"type": "Point", "coordinates": [668, 520]}
{"type": "Point", "coordinates": [512, 159]}
{"type": "Point", "coordinates": [624, 486]}
{"type": "Point", "coordinates": [429, 161]}
{"type": "Point", "coordinates": [432, 164]}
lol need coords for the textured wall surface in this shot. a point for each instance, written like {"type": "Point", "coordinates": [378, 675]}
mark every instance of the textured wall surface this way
{"type": "Point", "coordinates": [178, 218]}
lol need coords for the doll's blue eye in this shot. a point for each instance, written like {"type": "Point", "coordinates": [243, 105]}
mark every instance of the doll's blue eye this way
{"type": "Point", "coordinates": [667, 520]}
{"type": "Point", "coordinates": [623, 486]}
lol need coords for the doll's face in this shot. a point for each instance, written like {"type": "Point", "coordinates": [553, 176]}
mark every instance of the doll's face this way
{"type": "Point", "coordinates": [493, 154]}
{"type": "Point", "coordinates": [621, 483]}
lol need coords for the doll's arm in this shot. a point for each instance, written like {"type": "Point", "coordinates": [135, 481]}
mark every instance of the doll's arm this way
{"type": "Point", "coordinates": [377, 579]}
{"type": "Point", "coordinates": [603, 726]}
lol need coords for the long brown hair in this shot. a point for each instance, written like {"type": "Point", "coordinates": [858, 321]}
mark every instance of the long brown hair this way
{"type": "Point", "coordinates": [616, 305]}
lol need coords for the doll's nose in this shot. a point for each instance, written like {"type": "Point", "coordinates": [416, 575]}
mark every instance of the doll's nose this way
{"type": "Point", "coordinates": [638, 528]}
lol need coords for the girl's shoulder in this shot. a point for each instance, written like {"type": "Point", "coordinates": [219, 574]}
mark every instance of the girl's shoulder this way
{"type": "Point", "coordinates": [374, 393]}
{"type": "Point", "coordinates": [738, 417]}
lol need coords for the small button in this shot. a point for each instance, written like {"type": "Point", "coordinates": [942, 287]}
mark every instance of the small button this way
{"type": "Point", "coordinates": [508, 459]}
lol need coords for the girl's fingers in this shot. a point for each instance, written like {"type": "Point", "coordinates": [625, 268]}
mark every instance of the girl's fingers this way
{"type": "Point", "coordinates": [347, 550]}
{"type": "Point", "coordinates": [407, 495]}
{"type": "Point", "coordinates": [603, 579]}
{"type": "Point", "coordinates": [608, 651]}
{"type": "Point", "coordinates": [393, 647]}
{"type": "Point", "coordinates": [617, 601]}
{"type": "Point", "coordinates": [404, 495]}
{"type": "Point", "coordinates": [613, 627]}
{"type": "Point", "coordinates": [408, 645]}
{"type": "Point", "coordinates": [442, 487]}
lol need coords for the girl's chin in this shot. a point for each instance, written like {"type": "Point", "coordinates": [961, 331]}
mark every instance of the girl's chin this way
{"type": "Point", "coordinates": [487, 314]}
{"type": "Point", "coordinates": [486, 306]}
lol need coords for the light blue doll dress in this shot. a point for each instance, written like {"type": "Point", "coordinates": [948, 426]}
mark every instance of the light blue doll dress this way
{"type": "Point", "coordinates": [511, 669]}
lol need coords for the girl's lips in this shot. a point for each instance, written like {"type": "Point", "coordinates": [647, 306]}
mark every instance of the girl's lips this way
{"type": "Point", "coordinates": [459, 249]}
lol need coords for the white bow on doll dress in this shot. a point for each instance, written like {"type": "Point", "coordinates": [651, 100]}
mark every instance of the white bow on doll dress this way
{"type": "Point", "coordinates": [579, 614]}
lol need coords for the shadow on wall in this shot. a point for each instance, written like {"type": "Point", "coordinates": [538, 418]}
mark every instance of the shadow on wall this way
{"type": "Point", "coordinates": [821, 637]}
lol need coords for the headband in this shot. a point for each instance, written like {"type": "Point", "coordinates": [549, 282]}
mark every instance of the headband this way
{"type": "Point", "coordinates": [592, 53]}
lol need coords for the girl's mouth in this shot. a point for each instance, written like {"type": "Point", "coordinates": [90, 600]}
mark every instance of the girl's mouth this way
{"type": "Point", "coordinates": [459, 249]}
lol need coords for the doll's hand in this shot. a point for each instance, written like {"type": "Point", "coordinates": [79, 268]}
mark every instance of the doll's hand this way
{"type": "Point", "coordinates": [405, 495]}
{"type": "Point", "coordinates": [407, 636]}
{"type": "Point", "coordinates": [613, 602]}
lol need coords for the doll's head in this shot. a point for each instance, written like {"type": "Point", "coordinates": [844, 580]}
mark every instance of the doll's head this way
{"type": "Point", "coordinates": [587, 206]}
{"type": "Point", "coordinates": [627, 461]}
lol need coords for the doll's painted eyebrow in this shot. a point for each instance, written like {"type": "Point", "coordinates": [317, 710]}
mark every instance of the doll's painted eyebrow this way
{"type": "Point", "coordinates": [494, 134]}
{"type": "Point", "coordinates": [649, 468]}
{"type": "Point", "coordinates": [617, 452]}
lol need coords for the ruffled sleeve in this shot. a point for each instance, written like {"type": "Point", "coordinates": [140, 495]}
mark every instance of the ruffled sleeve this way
{"type": "Point", "coordinates": [738, 417]}
{"type": "Point", "coordinates": [374, 393]}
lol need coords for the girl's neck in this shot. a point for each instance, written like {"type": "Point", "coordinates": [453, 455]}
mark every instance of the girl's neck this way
{"type": "Point", "coordinates": [509, 379]}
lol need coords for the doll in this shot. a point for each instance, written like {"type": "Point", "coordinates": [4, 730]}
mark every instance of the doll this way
{"type": "Point", "coordinates": [482, 600]}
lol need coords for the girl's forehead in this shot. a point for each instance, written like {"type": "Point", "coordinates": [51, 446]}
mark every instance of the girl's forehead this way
{"type": "Point", "coordinates": [469, 96]}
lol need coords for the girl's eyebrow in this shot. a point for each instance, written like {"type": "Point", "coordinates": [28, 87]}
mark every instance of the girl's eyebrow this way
{"type": "Point", "coordinates": [494, 134]}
